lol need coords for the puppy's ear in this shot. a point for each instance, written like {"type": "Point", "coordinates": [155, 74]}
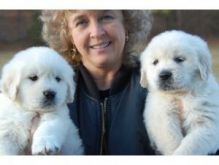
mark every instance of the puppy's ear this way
{"type": "Point", "coordinates": [71, 90]}
{"type": "Point", "coordinates": [143, 78]}
{"type": "Point", "coordinates": [204, 61]}
{"type": "Point", "coordinates": [10, 81]}
{"type": "Point", "coordinates": [204, 56]}
{"type": "Point", "coordinates": [204, 68]}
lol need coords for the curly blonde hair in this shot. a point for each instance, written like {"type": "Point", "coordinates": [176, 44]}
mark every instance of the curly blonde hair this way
{"type": "Point", "coordinates": [55, 32]}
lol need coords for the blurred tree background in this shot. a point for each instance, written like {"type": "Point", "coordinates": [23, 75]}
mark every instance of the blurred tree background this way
{"type": "Point", "coordinates": [22, 28]}
{"type": "Point", "coordinates": [19, 28]}
{"type": "Point", "coordinates": [201, 22]}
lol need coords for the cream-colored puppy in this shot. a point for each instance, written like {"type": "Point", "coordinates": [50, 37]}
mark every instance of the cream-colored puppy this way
{"type": "Point", "coordinates": [37, 83]}
{"type": "Point", "coordinates": [182, 108]}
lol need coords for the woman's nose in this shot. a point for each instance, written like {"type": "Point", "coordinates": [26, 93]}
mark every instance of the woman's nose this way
{"type": "Point", "coordinates": [97, 30]}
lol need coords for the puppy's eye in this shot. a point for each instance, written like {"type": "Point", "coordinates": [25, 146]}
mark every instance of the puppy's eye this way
{"type": "Point", "coordinates": [33, 78]}
{"type": "Point", "coordinates": [179, 59]}
{"type": "Point", "coordinates": [58, 79]}
{"type": "Point", "coordinates": [155, 62]}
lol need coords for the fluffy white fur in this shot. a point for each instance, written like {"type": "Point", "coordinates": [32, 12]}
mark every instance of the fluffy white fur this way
{"type": "Point", "coordinates": [37, 82]}
{"type": "Point", "coordinates": [182, 108]}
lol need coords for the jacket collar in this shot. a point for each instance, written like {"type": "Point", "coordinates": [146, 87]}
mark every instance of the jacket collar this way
{"type": "Point", "coordinates": [87, 82]}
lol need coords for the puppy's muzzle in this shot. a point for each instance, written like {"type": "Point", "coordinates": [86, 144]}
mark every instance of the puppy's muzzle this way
{"type": "Point", "coordinates": [166, 80]}
{"type": "Point", "coordinates": [49, 95]}
{"type": "Point", "coordinates": [165, 75]}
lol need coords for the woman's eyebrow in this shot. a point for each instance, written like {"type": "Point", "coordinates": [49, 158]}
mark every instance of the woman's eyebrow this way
{"type": "Point", "coordinates": [77, 17]}
{"type": "Point", "coordinates": [106, 11]}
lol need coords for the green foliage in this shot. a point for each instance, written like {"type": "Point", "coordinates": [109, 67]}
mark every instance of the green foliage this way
{"type": "Point", "coordinates": [200, 22]}
{"type": "Point", "coordinates": [34, 32]}
{"type": "Point", "coordinates": [163, 13]}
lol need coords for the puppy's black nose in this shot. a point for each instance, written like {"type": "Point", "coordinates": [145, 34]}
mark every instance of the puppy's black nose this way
{"type": "Point", "coordinates": [49, 94]}
{"type": "Point", "coordinates": [165, 75]}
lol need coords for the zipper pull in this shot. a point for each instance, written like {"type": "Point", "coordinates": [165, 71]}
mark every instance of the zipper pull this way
{"type": "Point", "coordinates": [103, 118]}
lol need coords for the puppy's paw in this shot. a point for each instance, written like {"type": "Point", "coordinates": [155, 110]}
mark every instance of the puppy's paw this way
{"type": "Point", "coordinates": [45, 146]}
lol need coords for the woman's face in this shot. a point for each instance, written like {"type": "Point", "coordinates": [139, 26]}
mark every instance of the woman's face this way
{"type": "Point", "coordinates": [99, 36]}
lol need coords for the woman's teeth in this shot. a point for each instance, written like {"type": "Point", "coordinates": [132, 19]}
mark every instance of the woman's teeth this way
{"type": "Point", "coordinates": [100, 45]}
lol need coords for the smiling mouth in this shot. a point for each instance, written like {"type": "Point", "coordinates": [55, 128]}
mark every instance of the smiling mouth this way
{"type": "Point", "coordinates": [100, 45]}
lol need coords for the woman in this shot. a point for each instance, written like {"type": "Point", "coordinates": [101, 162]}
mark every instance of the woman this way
{"type": "Point", "coordinates": [103, 46]}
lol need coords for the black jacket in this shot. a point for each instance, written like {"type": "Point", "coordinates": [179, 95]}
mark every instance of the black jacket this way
{"type": "Point", "coordinates": [115, 126]}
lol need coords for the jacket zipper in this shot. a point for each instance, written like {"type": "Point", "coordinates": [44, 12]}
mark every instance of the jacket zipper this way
{"type": "Point", "coordinates": [103, 129]}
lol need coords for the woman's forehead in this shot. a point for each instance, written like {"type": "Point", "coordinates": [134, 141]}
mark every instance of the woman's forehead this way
{"type": "Point", "coordinates": [76, 13]}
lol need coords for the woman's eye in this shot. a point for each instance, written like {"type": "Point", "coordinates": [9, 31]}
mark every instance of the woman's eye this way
{"type": "Point", "coordinates": [179, 59]}
{"type": "Point", "coordinates": [106, 18]}
{"type": "Point", "coordinates": [80, 23]}
{"type": "Point", "coordinates": [33, 78]}
{"type": "Point", "coordinates": [58, 79]}
{"type": "Point", "coordinates": [155, 62]}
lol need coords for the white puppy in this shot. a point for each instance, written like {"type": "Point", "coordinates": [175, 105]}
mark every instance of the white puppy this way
{"type": "Point", "coordinates": [182, 108]}
{"type": "Point", "coordinates": [37, 82]}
